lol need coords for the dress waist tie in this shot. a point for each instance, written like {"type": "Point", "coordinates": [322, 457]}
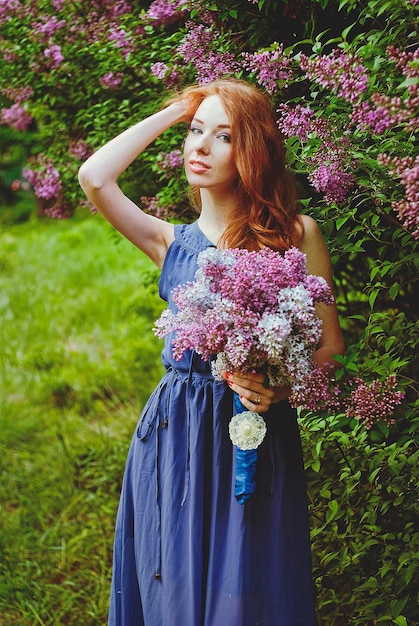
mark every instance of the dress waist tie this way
{"type": "Point", "coordinates": [151, 418]}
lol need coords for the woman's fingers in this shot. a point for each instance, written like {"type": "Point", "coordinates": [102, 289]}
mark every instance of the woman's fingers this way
{"type": "Point", "coordinates": [253, 393]}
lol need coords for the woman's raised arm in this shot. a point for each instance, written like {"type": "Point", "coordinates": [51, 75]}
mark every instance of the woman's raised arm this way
{"type": "Point", "coordinates": [99, 174]}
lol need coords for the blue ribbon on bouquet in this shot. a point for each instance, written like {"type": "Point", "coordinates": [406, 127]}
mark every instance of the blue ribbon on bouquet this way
{"type": "Point", "coordinates": [245, 470]}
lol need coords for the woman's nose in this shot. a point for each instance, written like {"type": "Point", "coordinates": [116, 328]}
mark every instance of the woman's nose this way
{"type": "Point", "coordinates": [202, 144]}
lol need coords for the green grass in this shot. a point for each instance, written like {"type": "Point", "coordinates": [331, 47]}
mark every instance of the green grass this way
{"type": "Point", "coordinates": [77, 305]}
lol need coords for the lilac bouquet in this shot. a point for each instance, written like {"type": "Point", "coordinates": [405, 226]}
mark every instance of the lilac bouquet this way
{"type": "Point", "coordinates": [249, 311]}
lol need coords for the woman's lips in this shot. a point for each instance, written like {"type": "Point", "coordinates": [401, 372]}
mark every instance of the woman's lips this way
{"type": "Point", "coordinates": [198, 167]}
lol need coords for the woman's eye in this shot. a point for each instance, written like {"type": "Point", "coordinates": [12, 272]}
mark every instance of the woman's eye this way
{"type": "Point", "coordinates": [195, 130]}
{"type": "Point", "coordinates": [224, 137]}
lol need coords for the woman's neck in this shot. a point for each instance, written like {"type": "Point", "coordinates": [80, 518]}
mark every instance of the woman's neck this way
{"type": "Point", "coordinates": [215, 213]}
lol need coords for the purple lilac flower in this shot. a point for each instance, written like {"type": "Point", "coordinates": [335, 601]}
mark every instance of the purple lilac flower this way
{"type": "Point", "coordinates": [16, 116]}
{"type": "Point", "coordinates": [57, 212]}
{"type": "Point", "coordinates": [209, 64]}
{"type": "Point", "coordinates": [374, 401]}
{"type": "Point", "coordinates": [270, 66]}
{"type": "Point", "coordinates": [111, 80]}
{"type": "Point", "coordinates": [170, 161]}
{"type": "Point", "coordinates": [407, 170]}
{"type": "Point", "coordinates": [48, 27]}
{"type": "Point", "coordinates": [54, 56]}
{"type": "Point", "coordinates": [382, 113]}
{"type": "Point", "coordinates": [408, 63]}
{"type": "Point", "coordinates": [317, 391]}
{"type": "Point", "coordinates": [169, 75]}
{"type": "Point", "coordinates": [18, 94]}
{"type": "Point", "coordinates": [300, 122]}
{"type": "Point", "coordinates": [333, 181]}
{"type": "Point", "coordinates": [343, 73]}
{"type": "Point", "coordinates": [7, 9]}
{"type": "Point", "coordinates": [369, 402]}
{"type": "Point", "coordinates": [57, 4]}
{"type": "Point", "coordinates": [153, 206]}
{"type": "Point", "coordinates": [121, 40]}
{"type": "Point", "coordinates": [159, 69]}
{"type": "Point", "coordinates": [118, 8]}
{"type": "Point", "coordinates": [44, 178]}
{"type": "Point", "coordinates": [164, 12]}
{"type": "Point", "coordinates": [331, 174]}
{"type": "Point", "coordinates": [79, 149]}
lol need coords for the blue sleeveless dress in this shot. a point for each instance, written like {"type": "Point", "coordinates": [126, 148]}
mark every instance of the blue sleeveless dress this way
{"type": "Point", "coordinates": [186, 552]}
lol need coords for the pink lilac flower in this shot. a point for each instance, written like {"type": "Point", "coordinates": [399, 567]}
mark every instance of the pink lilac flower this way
{"type": "Point", "coordinates": [121, 40]}
{"type": "Point", "coordinates": [118, 8]}
{"type": "Point", "coordinates": [407, 170]}
{"type": "Point", "coordinates": [164, 12]}
{"type": "Point", "coordinates": [9, 55]}
{"type": "Point", "coordinates": [331, 173]}
{"type": "Point", "coordinates": [18, 94]}
{"type": "Point", "coordinates": [169, 75]}
{"type": "Point", "coordinates": [341, 72]}
{"type": "Point", "coordinates": [270, 66]}
{"type": "Point", "coordinates": [79, 149]}
{"type": "Point", "coordinates": [8, 9]}
{"type": "Point", "coordinates": [153, 206]}
{"type": "Point", "coordinates": [16, 116]}
{"type": "Point", "coordinates": [209, 64]}
{"type": "Point", "coordinates": [333, 181]}
{"type": "Point", "coordinates": [48, 27]}
{"type": "Point", "coordinates": [54, 56]}
{"type": "Point", "coordinates": [111, 80]}
{"type": "Point", "coordinates": [318, 391]}
{"type": "Point", "coordinates": [199, 37]}
{"type": "Point", "coordinates": [159, 69]}
{"type": "Point", "coordinates": [406, 61]}
{"type": "Point", "coordinates": [44, 178]}
{"type": "Point", "coordinates": [253, 310]}
{"type": "Point", "coordinates": [57, 212]}
{"type": "Point", "coordinates": [171, 160]}
{"type": "Point", "coordinates": [368, 402]}
{"type": "Point", "coordinates": [58, 4]}
{"type": "Point", "coordinates": [300, 122]}
{"type": "Point", "coordinates": [382, 113]}
{"type": "Point", "coordinates": [374, 401]}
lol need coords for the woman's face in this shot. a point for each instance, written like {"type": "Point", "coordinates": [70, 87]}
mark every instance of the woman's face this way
{"type": "Point", "coordinates": [207, 153]}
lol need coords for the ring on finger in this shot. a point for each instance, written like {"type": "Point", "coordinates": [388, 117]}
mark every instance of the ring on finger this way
{"type": "Point", "coordinates": [257, 399]}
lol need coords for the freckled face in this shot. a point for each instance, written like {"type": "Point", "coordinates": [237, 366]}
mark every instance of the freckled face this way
{"type": "Point", "coordinates": [208, 155]}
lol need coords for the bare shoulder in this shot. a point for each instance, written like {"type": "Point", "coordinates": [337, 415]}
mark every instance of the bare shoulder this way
{"type": "Point", "coordinates": [310, 229]}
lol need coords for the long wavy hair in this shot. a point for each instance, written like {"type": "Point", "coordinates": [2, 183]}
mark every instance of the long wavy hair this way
{"type": "Point", "coordinates": [266, 211]}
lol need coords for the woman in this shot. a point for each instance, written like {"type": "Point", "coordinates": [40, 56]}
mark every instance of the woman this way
{"type": "Point", "coordinates": [186, 552]}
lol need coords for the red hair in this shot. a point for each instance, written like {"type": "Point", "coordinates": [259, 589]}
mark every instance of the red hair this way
{"type": "Point", "coordinates": [266, 212]}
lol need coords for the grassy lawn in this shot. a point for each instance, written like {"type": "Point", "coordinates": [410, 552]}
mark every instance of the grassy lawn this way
{"type": "Point", "coordinates": [77, 362]}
